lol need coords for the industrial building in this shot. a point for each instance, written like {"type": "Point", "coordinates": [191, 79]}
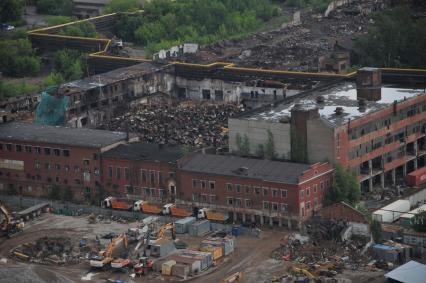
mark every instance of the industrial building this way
{"type": "Point", "coordinates": [375, 129]}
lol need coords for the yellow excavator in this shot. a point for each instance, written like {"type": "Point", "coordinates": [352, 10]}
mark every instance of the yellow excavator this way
{"type": "Point", "coordinates": [8, 225]}
{"type": "Point", "coordinates": [105, 256]}
{"type": "Point", "coordinates": [236, 277]}
{"type": "Point", "coordinates": [300, 270]}
{"type": "Point", "coordinates": [163, 229]}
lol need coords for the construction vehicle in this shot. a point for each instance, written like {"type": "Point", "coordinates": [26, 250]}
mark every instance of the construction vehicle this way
{"type": "Point", "coordinates": [9, 226]}
{"type": "Point", "coordinates": [162, 231]}
{"type": "Point", "coordinates": [115, 203]}
{"type": "Point", "coordinates": [300, 270]}
{"type": "Point", "coordinates": [146, 207]}
{"type": "Point", "coordinates": [174, 210]}
{"type": "Point", "coordinates": [237, 276]}
{"type": "Point", "coordinates": [105, 256]}
{"type": "Point", "coordinates": [206, 213]}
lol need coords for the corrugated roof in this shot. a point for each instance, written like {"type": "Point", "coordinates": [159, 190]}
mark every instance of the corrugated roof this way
{"type": "Point", "coordinates": [26, 132]}
{"type": "Point", "coordinates": [266, 170]}
{"type": "Point", "coordinates": [411, 272]}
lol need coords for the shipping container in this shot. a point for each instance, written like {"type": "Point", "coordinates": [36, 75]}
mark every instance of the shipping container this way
{"type": "Point", "coordinates": [180, 270]}
{"type": "Point", "coordinates": [416, 178]}
{"type": "Point", "coordinates": [162, 248]}
{"type": "Point", "coordinates": [194, 265]}
{"type": "Point", "coordinates": [236, 230]}
{"type": "Point", "coordinates": [166, 268]}
{"type": "Point", "coordinates": [182, 225]}
{"type": "Point", "coordinates": [216, 251]}
{"type": "Point", "coordinates": [392, 212]}
{"type": "Point", "coordinates": [199, 228]}
{"type": "Point", "coordinates": [205, 258]}
{"type": "Point", "coordinates": [405, 219]}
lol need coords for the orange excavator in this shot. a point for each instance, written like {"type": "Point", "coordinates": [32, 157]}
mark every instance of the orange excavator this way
{"type": "Point", "coordinates": [8, 225]}
{"type": "Point", "coordinates": [105, 256]}
{"type": "Point", "coordinates": [236, 277]}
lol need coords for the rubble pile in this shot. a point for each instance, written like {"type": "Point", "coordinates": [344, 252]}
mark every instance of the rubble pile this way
{"type": "Point", "coordinates": [196, 125]}
{"type": "Point", "coordinates": [49, 250]}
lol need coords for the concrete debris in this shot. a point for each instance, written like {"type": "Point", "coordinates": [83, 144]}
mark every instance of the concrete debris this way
{"type": "Point", "coordinates": [187, 124]}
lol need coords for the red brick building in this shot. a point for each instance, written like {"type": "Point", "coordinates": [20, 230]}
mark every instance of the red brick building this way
{"type": "Point", "coordinates": [255, 190]}
{"type": "Point", "coordinates": [35, 158]}
{"type": "Point", "coordinates": [141, 171]}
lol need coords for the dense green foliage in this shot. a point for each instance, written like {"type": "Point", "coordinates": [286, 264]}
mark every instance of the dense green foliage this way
{"type": "Point", "coordinates": [418, 222]}
{"type": "Point", "coordinates": [395, 39]}
{"type": "Point", "coordinates": [68, 63]}
{"type": "Point", "coordinates": [18, 58]}
{"type": "Point", "coordinates": [123, 6]}
{"type": "Point", "coordinates": [10, 11]}
{"type": "Point", "coordinates": [54, 7]}
{"type": "Point", "coordinates": [317, 5]}
{"type": "Point", "coordinates": [82, 29]}
{"type": "Point", "coordinates": [345, 188]}
{"type": "Point", "coordinates": [376, 231]}
{"type": "Point", "coordinates": [165, 23]}
{"type": "Point", "coordinates": [10, 89]}
{"type": "Point", "coordinates": [57, 20]}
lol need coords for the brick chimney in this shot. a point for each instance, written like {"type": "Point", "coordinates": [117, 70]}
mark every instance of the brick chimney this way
{"type": "Point", "coordinates": [369, 84]}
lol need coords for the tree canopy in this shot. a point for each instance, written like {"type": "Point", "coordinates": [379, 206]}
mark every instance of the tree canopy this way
{"type": "Point", "coordinates": [54, 7]}
{"type": "Point", "coordinates": [10, 10]}
{"type": "Point", "coordinates": [165, 23]}
{"type": "Point", "coordinates": [395, 39]}
{"type": "Point", "coordinates": [81, 29]}
{"type": "Point", "coordinates": [18, 59]}
{"type": "Point", "coordinates": [418, 222]}
{"type": "Point", "coordinates": [345, 188]}
{"type": "Point", "coordinates": [123, 6]}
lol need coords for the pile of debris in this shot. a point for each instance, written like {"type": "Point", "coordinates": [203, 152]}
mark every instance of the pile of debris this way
{"type": "Point", "coordinates": [189, 123]}
{"type": "Point", "coordinates": [49, 250]}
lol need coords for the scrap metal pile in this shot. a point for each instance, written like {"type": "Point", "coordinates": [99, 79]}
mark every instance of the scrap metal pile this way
{"type": "Point", "coordinates": [196, 125]}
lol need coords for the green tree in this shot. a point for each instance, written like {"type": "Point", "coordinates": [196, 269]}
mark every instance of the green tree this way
{"type": "Point", "coordinates": [376, 231]}
{"type": "Point", "coordinates": [18, 58]}
{"type": "Point", "coordinates": [53, 79]}
{"type": "Point", "coordinates": [270, 146]}
{"type": "Point", "coordinates": [345, 188]}
{"type": "Point", "coordinates": [55, 193]}
{"type": "Point", "coordinates": [55, 7]}
{"type": "Point", "coordinates": [81, 29]}
{"type": "Point", "coordinates": [10, 10]}
{"type": "Point", "coordinates": [69, 64]}
{"type": "Point", "coordinates": [123, 6]}
{"type": "Point", "coordinates": [67, 194]}
{"type": "Point", "coordinates": [57, 20]}
{"type": "Point", "coordinates": [418, 222]}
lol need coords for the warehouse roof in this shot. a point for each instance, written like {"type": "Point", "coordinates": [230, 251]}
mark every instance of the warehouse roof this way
{"type": "Point", "coordinates": [342, 95]}
{"type": "Point", "coordinates": [411, 272]}
{"type": "Point", "coordinates": [26, 132]}
{"type": "Point", "coordinates": [145, 151]}
{"type": "Point", "coordinates": [267, 170]}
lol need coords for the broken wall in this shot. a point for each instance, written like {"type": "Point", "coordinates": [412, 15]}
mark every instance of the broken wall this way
{"type": "Point", "coordinates": [320, 141]}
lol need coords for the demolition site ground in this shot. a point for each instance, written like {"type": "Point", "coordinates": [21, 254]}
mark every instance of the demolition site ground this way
{"type": "Point", "coordinates": [258, 258]}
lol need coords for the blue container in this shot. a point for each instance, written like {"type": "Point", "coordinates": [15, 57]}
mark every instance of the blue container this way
{"type": "Point", "coordinates": [236, 231]}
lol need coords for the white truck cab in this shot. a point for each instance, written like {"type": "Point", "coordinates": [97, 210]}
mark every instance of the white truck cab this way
{"type": "Point", "coordinates": [137, 205]}
{"type": "Point", "coordinates": [202, 213]}
{"type": "Point", "coordinates": [106, 203]}
{"type": "Point", "coordinates": [166, 208]}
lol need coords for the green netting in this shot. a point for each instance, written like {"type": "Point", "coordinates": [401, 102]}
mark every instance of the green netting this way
{"type": "Point", "coordinates": [51, 109]}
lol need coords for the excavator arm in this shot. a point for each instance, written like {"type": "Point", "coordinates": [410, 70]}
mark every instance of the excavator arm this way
{"type": "Point", "coordinates": [7, 219]}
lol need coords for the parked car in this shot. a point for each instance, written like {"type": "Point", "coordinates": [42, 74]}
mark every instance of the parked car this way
{"type": "Point", "coordinates": [6, 27]}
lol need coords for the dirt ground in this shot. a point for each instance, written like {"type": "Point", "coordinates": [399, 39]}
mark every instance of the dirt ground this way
{"type": "Point", "coordinates": [251, 256]}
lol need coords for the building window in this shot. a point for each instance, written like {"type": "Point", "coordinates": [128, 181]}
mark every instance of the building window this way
{"type": "Point", "coordinates": [143, 173]}
{"type": "Point", "coordinates": [160, 177]}
{"type": "Point", "coordinates": [86, 162]}
{"type": "Point", "coordinates": [230, 201]}
{"type": "Point", "coordinates": [56, 152]}
{"type": "Point", "coordinates": [28, 149]}
{"type": "Point", "coordinates": [47, 151]}
{"type": "Point", "coordinates": [67, 168]}
{"type": "Point", "coordinates": [95, 156]}
{"type": "Point", "coordinates": [283, 193]}
{"type": "Point", "coordinates": [129, 190]}
{"type": "Point", "coordinates": [127, 173]}
{"type": "Point", "coordinates": [212, 185]}
{"type": "Point", "coordinates": [284, 207]}
{"type": "Point", "coordinates": [110, 171]}
{"type": "Point", "coordinates": [238, 188]}
{"type": "Point", "coordinates": [76, 169]}
{"type": "Point", "coordinates": [265, 205]}
{"type": "Point", "coordinates": [9, 147]}
{"type": "Point", "coordinates": [248, 203]}
{"type": "Point", "coordinates": [47, 166]}
{"type": "Point", "coordinates": [308, 205]}
{"type": "Point", "coordinates": [86, 176]}
{"type": "Point", "coordinates": [315, 188]}
{"type": "Point", "coordinates": [315, 203]}
{"type": "Point", "coordinates": [247, 189]}
{"type": "Point", "coordinates": [203, 184]}
{"type": "Point", "coordinates": [327, 183]}
{"type": "Point", "coordinates": [229, 187]}
{"type": "Point", "coordinates": [57, 179]}
{"type": "Point", "coordinates": [37, 164]}
{"type": "Point", "coordinates": [302, 193]}
{"type": "Point", "coordinates": [195, 196]}
{"type": "Point", "coordinates": [265, 192]}
{"type": "Point", "coordinates": [322, 185]}
{"type": "Point", "coordinates": [212, 198]}
{"type": "Point", "coordinates": [152, 177]}
{"type": "Point", "coordinates": [203, 198]}
{"type": "Point", "coordinates": [274, 193]}
{"type": "Point", "coordinates": [308, 191]}
{"type": "Point", "coordinates": [238, 202]}
{"type": "Point", "coordinates": [18, 148]}
{"type": "Point", "coordinates": [66, 152]}
{"type": "Point", "coordinates": [195, 183]}
{"type": "Point", "coordinates": [37, 150]}
{"type": "Point", "coordinates": [96, 171]}
{"type": "Point", "coordinates": [87, 190]}
{"type": "Point", "coordinates": [274, 206]}
{"type": "Point", "coordinates": [118, 173]}
{"type": "Point", "coordinates": [257, 190]}
{"type": "Point", "coordinates": [57, 166]}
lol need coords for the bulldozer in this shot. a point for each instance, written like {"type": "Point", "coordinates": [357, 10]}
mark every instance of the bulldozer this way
{"type": "Point", "coordinates": [9, 226]}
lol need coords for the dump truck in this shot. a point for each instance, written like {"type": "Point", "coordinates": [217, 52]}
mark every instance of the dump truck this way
{"type": "Point", "coordinates": [115, 203]}
{"type": "Point", "coordinates": [146, 207]}
{"type": "Point", "coordinates": [213, 215]}
{"type": "Point", "coordinates": [173, 209]}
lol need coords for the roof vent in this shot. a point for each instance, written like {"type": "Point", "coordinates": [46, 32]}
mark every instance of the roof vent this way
{"type": "Point", "coordinates": [339, 110]}
{"type": "Point", "coordinates": [320, 99]}
{"type": "Point", "coordinates": [242, 171]}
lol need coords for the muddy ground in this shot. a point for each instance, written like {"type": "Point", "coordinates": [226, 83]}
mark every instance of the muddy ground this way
{"type": "Point", "coordinates": [252, 256]}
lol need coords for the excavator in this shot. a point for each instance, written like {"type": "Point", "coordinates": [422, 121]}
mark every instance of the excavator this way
{"type": "Point", "coordinates": [105, 256]}
{"type": "Point", "coordinates": [9, 226]}
{"type": "Point", "coordinates": [233, 277]}
{"type": "Point", "coordinates": [163, 229]}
